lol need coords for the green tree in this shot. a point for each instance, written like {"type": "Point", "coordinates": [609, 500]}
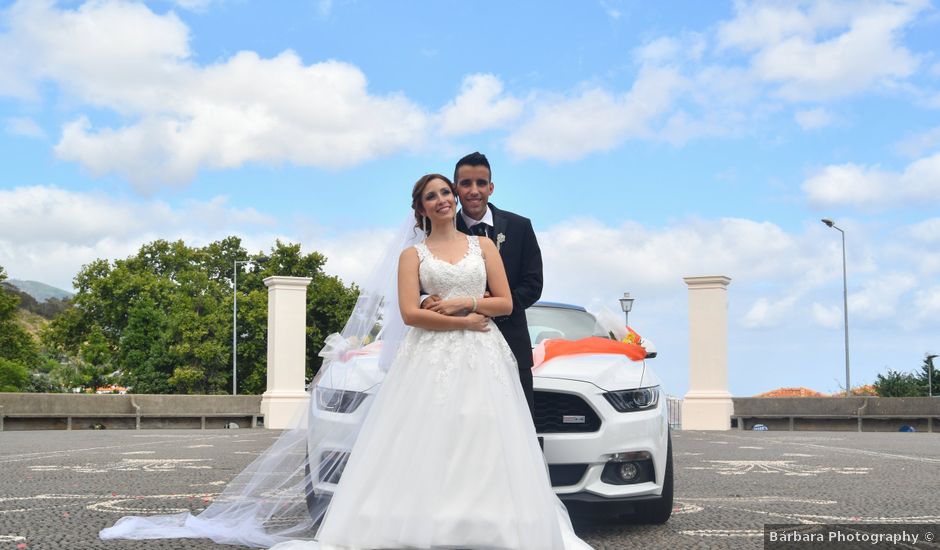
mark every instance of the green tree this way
{"type": "Point", "coordinates": [925, 375]}
{"type": "Point", "coordinates": [142, 355]}
{"type": "Point", "coordinates": [13, 376]}
{"type": "Point", "coordinates": [898, 384]}
{"type": "Point", "coordinates": [95, 354]}
{"type": "Point", "coordinates": [18, 351]}
{"type": "Point", "coordinates": [162, 318]}
{"type": "Point", "coordinates": [329, 303]}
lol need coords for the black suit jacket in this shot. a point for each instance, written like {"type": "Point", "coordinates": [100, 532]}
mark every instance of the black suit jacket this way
{"type": "Point", "coordinates": [523, 261]}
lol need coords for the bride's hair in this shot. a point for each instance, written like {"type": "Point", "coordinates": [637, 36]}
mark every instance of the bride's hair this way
{"type": "Point", "coordinates": [416, 197]}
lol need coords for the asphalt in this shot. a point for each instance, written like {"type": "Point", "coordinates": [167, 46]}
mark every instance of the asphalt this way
{"type": "Point", "coordinates": [58, 488]}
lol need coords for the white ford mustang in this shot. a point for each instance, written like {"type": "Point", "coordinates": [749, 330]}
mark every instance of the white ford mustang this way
{"type": "Point", "coordinates": [601, 418]}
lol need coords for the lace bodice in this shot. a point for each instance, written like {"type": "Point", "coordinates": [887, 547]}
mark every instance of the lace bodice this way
{"type": "Point", "coordinates": [467, 277]}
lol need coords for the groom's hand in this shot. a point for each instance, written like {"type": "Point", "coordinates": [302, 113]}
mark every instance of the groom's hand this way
{"type": "Point", "coordinates": [477, 322]}
{"type": "Point", "coordinates": [454, 306]}
{"type": "Point", "coordinates": [430, 302]}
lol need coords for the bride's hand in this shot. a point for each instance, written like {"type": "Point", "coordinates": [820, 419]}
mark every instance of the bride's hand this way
{"type": "Point", "coordinates": [477, 322]}
{"type": "Point", "coordinates": [454, 306]}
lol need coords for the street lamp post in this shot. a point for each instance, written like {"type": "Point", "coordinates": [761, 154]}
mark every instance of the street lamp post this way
{"type": "Point", "coordinates": [260, 259]}
{"type": "Point", "coordinates": [845, 307]}
{"type": "Point", "coordinates": [626, 304]}
{"type": "Point", "coordinates": [930, 359]}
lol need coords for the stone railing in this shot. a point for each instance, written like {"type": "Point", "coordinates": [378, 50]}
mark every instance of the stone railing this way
{"type": "Point", "coordinates": [63, 411]}
{"type": "Point", "coordinates": [868, 414]}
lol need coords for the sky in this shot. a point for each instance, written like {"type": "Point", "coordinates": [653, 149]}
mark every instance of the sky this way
{"type": "Point", "coordinates": [646, 141]}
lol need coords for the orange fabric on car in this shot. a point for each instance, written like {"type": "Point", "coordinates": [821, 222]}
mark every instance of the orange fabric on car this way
{"type": "Point", "coordinates": [593, 345]}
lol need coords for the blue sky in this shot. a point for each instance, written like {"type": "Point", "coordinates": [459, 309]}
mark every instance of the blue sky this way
{"type": "Point", "coordinates": [646, 141]}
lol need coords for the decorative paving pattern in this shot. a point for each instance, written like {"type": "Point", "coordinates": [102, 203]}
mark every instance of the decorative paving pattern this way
{"type": "Point", "coordinates": [785, 467]}
{"type": "Point", "coordinates": [59, 488]}
{"type": "Point", "coordinates": [132, 465]}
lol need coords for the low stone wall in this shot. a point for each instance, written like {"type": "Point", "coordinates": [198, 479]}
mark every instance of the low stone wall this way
{"type": "Point", "coordinates": [38, 411]}
{"type": "Point", "coordinates": [863, 414]}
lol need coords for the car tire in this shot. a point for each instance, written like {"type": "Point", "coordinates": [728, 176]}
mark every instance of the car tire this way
{"type": "Point", "coordinates": [660, 511]}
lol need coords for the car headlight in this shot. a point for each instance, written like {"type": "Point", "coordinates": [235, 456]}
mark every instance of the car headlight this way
{"type": "Point", "coordinates": [339, 401]}
{"type": "Point", "coordinates": [634, 400]}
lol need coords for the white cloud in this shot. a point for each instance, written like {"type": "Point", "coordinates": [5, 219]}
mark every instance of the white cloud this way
{"type": "Point", "coordinates": [813, 118]}
{"type": "Point", "coordinates": [611, 9]}
{"type": "Point", "coordinates": [823, 50]}
{"type": "Point", "coordinates": [48, 233]}
{"type": "Point", "coordinates": [480, 106]}
{"type": "Point", "coordinates": [581, 256]}
{"type": "Point", "coordinates": [184, 117]}
{"type": "Point", "coordinates": [927, 231]}
{"type": "Point", "coordinates": [918, 144]}
{"type": "Point", "coordinates": [193, 5]}
{"type": "Point", "coordinates": [113, 54]}
{"type": "Point", "coordinates": [934, 69]}
{"type": "Point", "coordinates": [927, 303]}
{"type": "Point", "coordinates": [769, 313]}
{"type": "Point", "coordinates": [855, 185]}
{"type": "Point", "coordinates": [24, 126]}
{"type": "Point", "coordinates": [569, 128]}
{"type": "Point", "coordinates": [664, 49]}
{"type": "Point", "coordinates": [830, 317]}
{"type": "Point", "coordinates": [880, 296]}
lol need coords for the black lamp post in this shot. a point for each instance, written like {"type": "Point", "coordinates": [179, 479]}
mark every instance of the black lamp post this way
{"type": "Point", "coordinates": [845, 307]}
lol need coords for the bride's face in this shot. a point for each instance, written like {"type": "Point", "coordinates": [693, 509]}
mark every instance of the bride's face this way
{"type": "Point", "coordinates": [438, 200]}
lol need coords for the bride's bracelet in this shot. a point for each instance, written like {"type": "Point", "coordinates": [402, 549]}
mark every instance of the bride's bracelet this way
{"type": "Point", "coordinates": [474, 308]}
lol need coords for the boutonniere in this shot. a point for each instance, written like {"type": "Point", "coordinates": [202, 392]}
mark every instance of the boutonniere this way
{"type": "Point", "coordinates": [500, 239]}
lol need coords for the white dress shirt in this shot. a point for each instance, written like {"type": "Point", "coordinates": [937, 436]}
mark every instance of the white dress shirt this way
{"type": "Point", "coordinates": [487, 218]}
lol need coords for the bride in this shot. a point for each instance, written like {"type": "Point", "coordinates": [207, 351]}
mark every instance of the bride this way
{"type": "Point", "coordinates": [447, 456]}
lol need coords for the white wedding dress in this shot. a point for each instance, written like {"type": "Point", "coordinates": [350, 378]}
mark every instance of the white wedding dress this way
{"type": "Point", "coordinates": [448, 457]}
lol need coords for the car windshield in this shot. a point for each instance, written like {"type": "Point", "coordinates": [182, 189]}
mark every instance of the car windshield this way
{"type": "Point", "coordinates": [558, 322]}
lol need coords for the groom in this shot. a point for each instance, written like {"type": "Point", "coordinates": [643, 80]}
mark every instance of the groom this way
{"type": "Point", "coordinates": [515, 239]}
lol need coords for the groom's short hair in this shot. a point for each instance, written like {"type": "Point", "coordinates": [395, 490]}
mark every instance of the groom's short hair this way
{"type": "Point", "coordinates": [475, 158]}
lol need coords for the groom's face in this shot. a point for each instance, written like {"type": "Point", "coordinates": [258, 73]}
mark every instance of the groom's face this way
{"type": "Point", "coordinates": [474, 189]}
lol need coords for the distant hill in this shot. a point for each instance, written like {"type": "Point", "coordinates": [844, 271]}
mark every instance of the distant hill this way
{"type": "Point", "coordinates": [40, 291]}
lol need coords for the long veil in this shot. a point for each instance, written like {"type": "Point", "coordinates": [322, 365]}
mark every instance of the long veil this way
{"type": "Point", "coordinates": [283, 494]}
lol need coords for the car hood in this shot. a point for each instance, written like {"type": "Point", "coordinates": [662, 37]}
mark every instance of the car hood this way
{"type": "Point", "coordinates": [607, 372]}
{"type": "Point", "coordinates": [360, 373]}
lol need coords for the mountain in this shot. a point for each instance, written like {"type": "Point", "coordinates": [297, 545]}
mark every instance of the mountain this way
{"type": "Point", "coordinates": [39, 291]}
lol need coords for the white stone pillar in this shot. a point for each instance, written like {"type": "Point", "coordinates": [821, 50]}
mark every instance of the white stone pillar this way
{"type": "Point", "coordinates": [287, 349]}
{"type": "Point", "coordinates": [708, 405]}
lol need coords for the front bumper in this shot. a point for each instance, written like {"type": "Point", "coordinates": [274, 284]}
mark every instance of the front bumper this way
{"type": "Point", "coordinates": [618, 433]}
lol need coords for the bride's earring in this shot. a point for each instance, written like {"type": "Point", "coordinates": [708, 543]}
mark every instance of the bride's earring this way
{"type": "Point", "coordinates": [424, 224]}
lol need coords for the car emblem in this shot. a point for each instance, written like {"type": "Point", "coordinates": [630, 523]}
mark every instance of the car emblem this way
{"type": "Point", "coordinates": [572, 419]}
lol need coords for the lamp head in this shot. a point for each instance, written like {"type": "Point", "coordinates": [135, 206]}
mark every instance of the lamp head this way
{"type": "Point", "coordinates": [626, 303]}
{"type": "Point", "coordinates": [828, 222]}
{"type": "Point", "coordinates": [932, 357]}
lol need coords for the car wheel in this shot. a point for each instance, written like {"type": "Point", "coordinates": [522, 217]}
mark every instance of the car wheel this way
{"type": "Point", "coordinates": [659, 511]}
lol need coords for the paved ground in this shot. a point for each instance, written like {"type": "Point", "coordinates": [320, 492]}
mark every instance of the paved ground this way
{"type": "Point", "coordinates": [57, 489]}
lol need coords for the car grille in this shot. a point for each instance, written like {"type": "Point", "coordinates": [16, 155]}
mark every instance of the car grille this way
{"type": "Point", "coordinates": [566, 474]}
{"type": "Point", "coordinates": [552, 408]}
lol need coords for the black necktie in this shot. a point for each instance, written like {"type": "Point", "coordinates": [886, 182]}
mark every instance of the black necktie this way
{"type": "Point", "coordinates": [480, 229]}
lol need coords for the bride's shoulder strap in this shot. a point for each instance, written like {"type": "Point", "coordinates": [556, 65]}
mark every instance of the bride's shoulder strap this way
{"type": "Point", "coordinates": [475, 245]}
{"type": "Point", "coordinates": [422, 250]}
